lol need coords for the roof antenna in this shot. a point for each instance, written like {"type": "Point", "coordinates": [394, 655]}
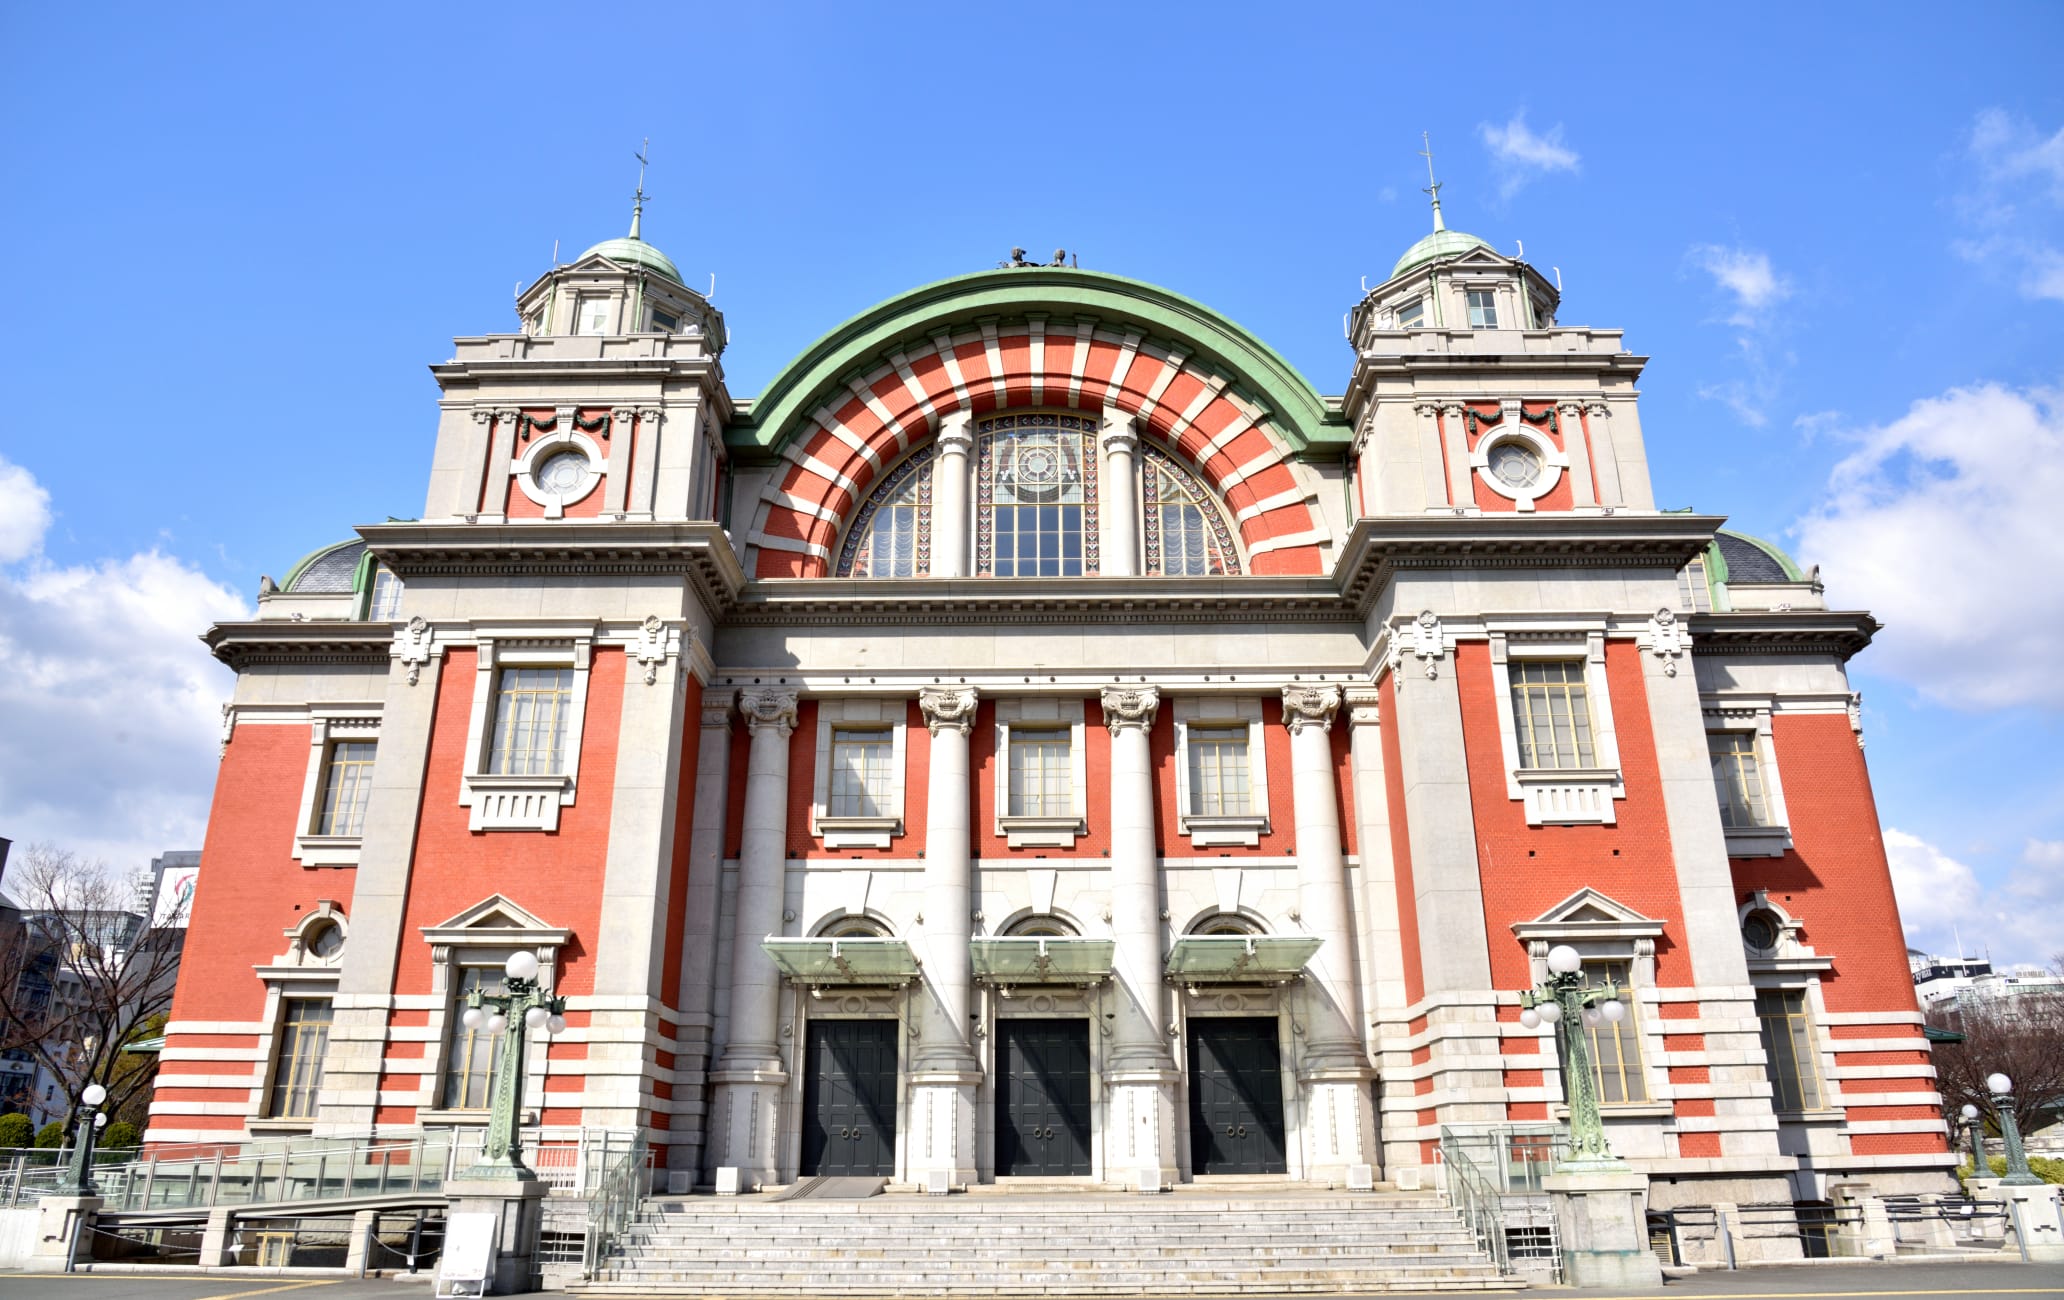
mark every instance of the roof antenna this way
{"type": "Point", "coordinates": [1432, 185]}
{"type": "Point", "coordinates": [555, 252]}
{"type": "Point", "coordinates": [638, 199]}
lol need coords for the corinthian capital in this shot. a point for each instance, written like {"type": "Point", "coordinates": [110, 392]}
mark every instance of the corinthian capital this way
{"type": "Point", "coordinates": [1121, 431]}
{"type": "Point", "coordinates": [768, 706]}
{"type": "Point", "coordinates": [956, 433]}
{"type": "Point", "coordinates": [1130, 706]}
{"type": "Point", "coordinates": [1310, 706]}
{"type": "Point", "coordinates": [947, 708]}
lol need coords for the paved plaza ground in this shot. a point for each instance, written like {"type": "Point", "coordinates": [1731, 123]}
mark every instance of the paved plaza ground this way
{"type": "Point", "coordinates": [1856, 1281]}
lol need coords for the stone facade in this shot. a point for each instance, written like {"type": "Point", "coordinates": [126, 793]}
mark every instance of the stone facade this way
{"type": "Point", "coordinates": [1283, 734]}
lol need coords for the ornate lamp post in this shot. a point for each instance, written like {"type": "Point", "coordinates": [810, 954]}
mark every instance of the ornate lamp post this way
{"type": "Point", "coordinates": [2018, 1174]}
{"type": "Point", "coordinates": [1977, 1140]}
{"type": "Point", "coordinates": [79, 1176]}
{"type": "Point", "coordinates": [1565, 997]}
{"type": "Point", "coordinates": [501, 1152]}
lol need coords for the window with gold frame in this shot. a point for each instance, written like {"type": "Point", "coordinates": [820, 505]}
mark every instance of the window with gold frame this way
{"type": "Point", "coordinates": [304, 1040]}
{"type": "Point", "coordinates": [1738, 779]}
{"type": "Point", "coordinates": [347, 786]}
{"type": "Point", "coordinates": [1551, 714]}
{"type": "Point", "coordinates": [1788, 1049]}
{"type": "Point", "coordinates": [1616, 1048]}
{"type": "Point", "coordinates": [531, 711]}
{"type": "Point", "coordinates": [475, 1054]}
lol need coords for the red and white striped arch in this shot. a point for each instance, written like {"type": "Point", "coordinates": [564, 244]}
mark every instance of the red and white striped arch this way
{"type": "Point", "coordinates": [1187, 406]}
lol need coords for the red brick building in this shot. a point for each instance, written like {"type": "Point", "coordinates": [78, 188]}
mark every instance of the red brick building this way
{"type": "Point", "coordinates": [1042, 735]}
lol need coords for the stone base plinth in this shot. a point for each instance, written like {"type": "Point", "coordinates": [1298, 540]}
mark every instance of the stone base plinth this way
{"type": "Point", "coordinates": [2037, 1215]}
{"type": "Point", "coordinates": [745, 1124]}
{"type": "Point", "coordinates": [518, 1208]}
{"type": "Point", "coordinates": [942, 1126]}
{"type": "Point", "coordinates": [62, 1235]}
{"type": "Point", "coordinates": [1139, 1144]}
{"type": "Point", "coordinates": [1602, 1217]}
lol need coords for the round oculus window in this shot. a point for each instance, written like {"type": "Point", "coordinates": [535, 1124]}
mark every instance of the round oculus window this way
{"type": "Point", "coordinates": [1515, 465]}
{"type": "Point", "coordinates": [326, 942]}
{"type": "Point", "coordinates": [1760, 932]}
{"type": "Point", "coordinates": [563, 473]}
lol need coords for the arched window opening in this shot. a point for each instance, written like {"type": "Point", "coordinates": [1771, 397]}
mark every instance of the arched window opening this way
{"type": "Point", "coordinates": [1035, 508]}
{"type": "Point", "coordinates": [892, 538]}
{"type": "Point", "coordinates": [855, 927]}
{"type": "Point", "coordinates": [1036, 496]}
{"type": "Point", "coordinates": [1225, 923]}
{"type": "Point", "coordinates": [1184, 533]}
{"type": "Point", "coordinates": [1041, 927]}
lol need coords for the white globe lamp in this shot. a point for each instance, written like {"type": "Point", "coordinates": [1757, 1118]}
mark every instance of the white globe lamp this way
{"type": "Point", "coordinates": [521, 966]}
{"type": "Point", "coordinates": [1563, 959]}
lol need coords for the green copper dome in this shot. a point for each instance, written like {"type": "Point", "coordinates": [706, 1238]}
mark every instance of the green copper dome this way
{"type": "Point", "coordinates": [638, 253]}
{"type": "Point", "coordinates": [1439, 244]}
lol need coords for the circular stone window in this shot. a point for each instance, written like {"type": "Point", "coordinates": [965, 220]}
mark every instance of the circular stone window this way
{"type": "Point", "coordinates": [1760, 931]}
{"type": "Point", "coordinates": [326, 942]}
{"type": "Point", "coordinates": [1515, 465]}
{"type": "Point", "coordinates": [563, 474]}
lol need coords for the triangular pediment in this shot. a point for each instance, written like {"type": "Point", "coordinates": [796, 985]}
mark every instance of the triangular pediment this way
{"type": "Point", "coordinates": [495, 912]}
{"type": "Point", "coordinates": [1589, 911]}
{"type": "Point", "coordinates": [1483, 257]}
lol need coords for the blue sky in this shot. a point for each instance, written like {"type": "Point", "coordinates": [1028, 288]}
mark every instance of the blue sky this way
{"type": "Point", "coordinates": [242, 234]}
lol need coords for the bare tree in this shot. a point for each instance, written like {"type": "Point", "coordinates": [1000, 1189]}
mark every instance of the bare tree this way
{"type": "Point", "coordinates": [2021, 1037]}
{"type": "Point", "coordinates": [83, 974]}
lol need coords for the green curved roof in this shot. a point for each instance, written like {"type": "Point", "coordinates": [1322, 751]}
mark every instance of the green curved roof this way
{"type": "Point", "coordinates": [1720, 568]}
{"type": "Point", "coordinates": [1294, 404]}
{"type": "Point", "coordinates": [638, 253]}
{"type": "Point", "coordinates": [1439, 244]}
{"type": "Point", "coordinates": [331, 568]}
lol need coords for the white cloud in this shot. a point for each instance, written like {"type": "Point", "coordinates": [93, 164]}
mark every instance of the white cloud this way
{"type": "Point", "coordinates": [1943, 524]}
{"type": "Point", "coordinates": [2044, 853]}
{"type": "Point", "coordinates": [1520, 156]}
{"type": "Point", "coordinates": [1748, 276]}
{"type": "Point", "coordinates": [2015, 207]}
{"type": "Point", "coordinates": [112, 703]}
{"type": "Point", "coordinates": [24, 512]}
{"type": "Point", "coordinates": [1947, 907]}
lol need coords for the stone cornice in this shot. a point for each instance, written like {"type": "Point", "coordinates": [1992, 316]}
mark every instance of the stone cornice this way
{"type": "Point", "coordinates": [301, 641]}
{"type": "Point", "coordinates": [1377, 549]}
{"type": "Point", "coordinates": [803, 602]}
{"type": "Point", "coordinates": [698, 552]}
{"type": "Point", "coordinates": [1782, 632]}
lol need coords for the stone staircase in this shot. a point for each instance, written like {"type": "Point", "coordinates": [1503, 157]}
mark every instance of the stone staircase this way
{"type": "Point", "coordinates": [1193, 1242]}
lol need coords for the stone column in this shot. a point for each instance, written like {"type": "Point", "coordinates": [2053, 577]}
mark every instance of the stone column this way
{"type": "Point", "coordinates": [950, 513]}
{"type": "Point", "coordinates": [750, 1078]}
{"type": "Point", "coordinates": [1121, 549]}
{"type": "Point", "coordinates": [699, 932]}
{"type": "Point", "coordinates": [1334, 1067]}
{"type": "Point", "coordinates": [1381, 949]}
{"type": "Point", "coordinates": [944, 1070]}
{"type": "Point", "coordinates": [1139, 1133]}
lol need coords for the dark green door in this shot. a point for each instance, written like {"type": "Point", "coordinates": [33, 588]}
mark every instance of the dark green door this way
{"type": "Point", "coordinates": [1042, 1097]}
{"type": "Point", "coordinates": [1236, 1097]}
{"type": "Point", "coordinates": [849, 1098]}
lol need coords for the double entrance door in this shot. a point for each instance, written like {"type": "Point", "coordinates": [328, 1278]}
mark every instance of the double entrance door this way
{"type": "Point", "coordinates": [849, 1098]}
{"type": "Point", "coordinates": [1236, 1097]}
{"type": "Point", "coordinates": [1042, 1098]}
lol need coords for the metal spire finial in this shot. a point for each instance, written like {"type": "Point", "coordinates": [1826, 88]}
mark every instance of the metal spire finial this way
{"type": "Point", "coordinates": [1432, 185]}
{"type": "Point", "coordinates": [638, 199]}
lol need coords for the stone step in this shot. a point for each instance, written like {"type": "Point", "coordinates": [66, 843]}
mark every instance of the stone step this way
{"type": "Point", "coordinates": [1082, 1257]}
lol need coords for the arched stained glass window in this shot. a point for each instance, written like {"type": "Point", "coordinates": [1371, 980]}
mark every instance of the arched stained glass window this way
{"type": "Point", "coordinates": [1185, 534]}
{"type": "Point", "coordinates": [1036, 496]}
{"type": "Point", "coordinates": [892, 538]}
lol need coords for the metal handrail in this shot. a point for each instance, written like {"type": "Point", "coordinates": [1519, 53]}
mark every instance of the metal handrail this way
{"type": "Point", "coordinates": [613, 1199]}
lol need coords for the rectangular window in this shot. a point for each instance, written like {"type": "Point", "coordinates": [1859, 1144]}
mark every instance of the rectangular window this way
{"type": "Point", "coordinates": [1411, 315]}
{"type": "Point", "coordinates": [1042, 782]}
{"type": "Point", "coordinates": [530, 720]}
{"type": "Point", "coordinates": [1693, 594]}
{"type": "Point", "coordinates": [1551, 712]}
{"type": "Point", "coordinates": [1483, 309]}
{"type": "Point", "coordinates": [1737, 779]}
{"type": "Point", "coordinates": [593, 316]}
{"type": "Point", "coordinates": [470, 1068]}
{"type": "Point", "coordinates": [1616, 1048]}
{"type": "Point", "coordinates": [1219, 785]}
{"type": "Point", "coordinates": [347, 784]}
{"type": "Point", "coordinates": [664, 324]}
{"type": "Point", "coordinates": [862, 759]}
{"type": "Point", "coordinates": [385, 605]}
{"type": "Point", "coordinates": [304, 1041]}
{"type": "Point", "coordinates": [1788, 1048]}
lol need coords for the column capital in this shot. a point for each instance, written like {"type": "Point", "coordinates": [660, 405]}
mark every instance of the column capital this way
{"type": "Point", "coordinates": [1364, 708]}
{"type": "Point", "coordinates": [768, 706]}
{"type": "Point", "coordinates": [1309, 706]}
{"type": "Point", "coordinates": [956, 434]}
{"type": "Point", "coordinates": [620, 418]}
{"type": "Point", "coordinates": [1121, 431]}
{"type": "Point", "coordinates": [1130, 706]}
{"type": "Point", "coordinates": [716, 709]}
{"type": "Point", "coordinates": [948, 707]}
